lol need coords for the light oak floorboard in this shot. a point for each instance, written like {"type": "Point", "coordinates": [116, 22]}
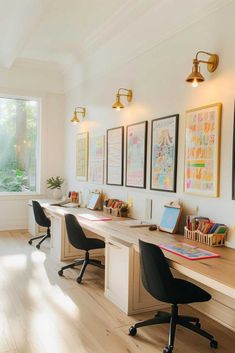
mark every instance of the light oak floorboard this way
{"type": "Point", "coordinates": [44, 313]}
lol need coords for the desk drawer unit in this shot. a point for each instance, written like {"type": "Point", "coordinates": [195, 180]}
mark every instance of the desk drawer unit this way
{"type": "Point", "coordinates": [118, 261]}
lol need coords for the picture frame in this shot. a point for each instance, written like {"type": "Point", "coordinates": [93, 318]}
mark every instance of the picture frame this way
{"type": "Point", "coordinates": [233, 158]}
{"type": "Point", "coordinates": [136, 151]}
{"type": "Point", "coordinates": [164, 153]}
{"type": "Point", "coordinates": [96, 159]}
{"type": "Point", "coordinates": [82, 141]}
{"type": "Point", "coordinates": [115, 156]}
{"type": "Point", "coordinates": [202, 150]}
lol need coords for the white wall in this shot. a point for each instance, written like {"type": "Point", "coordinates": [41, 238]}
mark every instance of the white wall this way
{"type": "Point", "coordinates": [156, 77]}
{"type": "Point", "coordinates": [27, 80]}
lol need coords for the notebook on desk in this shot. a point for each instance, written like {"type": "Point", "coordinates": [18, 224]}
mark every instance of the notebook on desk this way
{"type": "Point", "coordinates": [188, 251]}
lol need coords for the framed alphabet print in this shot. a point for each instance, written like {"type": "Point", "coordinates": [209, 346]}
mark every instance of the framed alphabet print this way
{"type": "Point", "coordinates": [202, 150]}
{"type": "Point", "coordinates": [114, 158]}
{"type": "Point", "coordinates": [82, 156]}
{"type": "Point", "coordinates": [164, 147]}
{"type": "Point", "coordinates": [136, 146]}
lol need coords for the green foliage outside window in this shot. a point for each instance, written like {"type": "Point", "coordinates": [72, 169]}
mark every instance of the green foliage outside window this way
{"type": "Point", "coordinates": [18, 142]}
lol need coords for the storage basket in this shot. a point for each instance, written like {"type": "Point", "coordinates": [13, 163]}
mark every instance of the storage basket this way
{"type": "Point", "coordinates": [208, 239]}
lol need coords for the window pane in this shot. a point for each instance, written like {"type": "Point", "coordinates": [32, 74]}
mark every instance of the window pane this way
{"type": "Point", "coordinates": [18, 144]}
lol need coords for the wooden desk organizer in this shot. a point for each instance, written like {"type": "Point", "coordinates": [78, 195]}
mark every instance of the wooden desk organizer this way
{"type": "Point", "coordinates": [208, 239]}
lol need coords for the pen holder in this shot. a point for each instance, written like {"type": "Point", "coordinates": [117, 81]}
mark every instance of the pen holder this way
{"type": "Point", "coordinates": [107, 210]}
{"type": "Point", "coordinates": [213, 239]}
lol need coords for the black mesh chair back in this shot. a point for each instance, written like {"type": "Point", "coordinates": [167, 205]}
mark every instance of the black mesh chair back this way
{"type": "Point", "coordinates": [156, 275]}
{"type": "Point", "coordinates": [40, 217]}
{"type": "Point", "coordinates": [75, 233]}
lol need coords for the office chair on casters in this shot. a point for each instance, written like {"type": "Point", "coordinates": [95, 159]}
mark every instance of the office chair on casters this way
{"type": "Point", "coordinates": [78, 239]}
{"type": "Point", "coordinates": [159, 282]}
{"type": "Point", "coordinates": [43, 221]}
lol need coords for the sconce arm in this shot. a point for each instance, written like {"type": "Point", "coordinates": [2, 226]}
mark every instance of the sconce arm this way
{"type": "Point", "coordinates": [202, 61]}
{"type": "Point", "coordinates": [212, 63]}
{"type": "Point", "coordinates": [122, 94]}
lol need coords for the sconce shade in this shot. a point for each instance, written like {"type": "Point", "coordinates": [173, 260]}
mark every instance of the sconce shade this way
{"type": "Point", "coordinates": [212, 63]}
{"type": "Point", "coordinates": [128, 94]}
{"type": "Point", "coordinates": [75, 119]}
{"type": "Point", "coordinates": [118, 105]}
{"type": "Point", "coordinates": [195, 75]}
{"type": "Point", "coordinates": [78, 110]}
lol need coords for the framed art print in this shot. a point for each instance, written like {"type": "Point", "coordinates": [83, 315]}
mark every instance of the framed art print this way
{"type": "Point", "coordinates": [114, 161]}
{"type": "Point", "coordinates": [96, 159]}
{"type": "Point", "coordinates": [136, 146]}
{"type": "Point", "coordinates": [164, 147]}
{"type": "Point", "coordinates": [82, 156]}
{"type": "Point", "coordinates": [202, 150]}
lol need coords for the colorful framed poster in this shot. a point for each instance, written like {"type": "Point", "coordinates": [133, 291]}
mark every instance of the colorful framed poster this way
{"type": "Point", "coordinates": [202, 150]}
{"type": "Point", "coordinates": [82, 156]}
{"type": "Point", "coordinates": [164, 148]}
{"type": "Point", "coordinates": [136, 148]}
{"type": "Point", "coordinates": [96, 160]}
{"type": "Point", "coordinates": [114, 158]}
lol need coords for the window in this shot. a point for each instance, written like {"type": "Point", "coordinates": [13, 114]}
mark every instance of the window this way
{"type": "Point", "coordinates": [19, 127]}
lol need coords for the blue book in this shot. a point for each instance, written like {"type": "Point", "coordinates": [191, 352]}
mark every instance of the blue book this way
{"type": "Point", "coordinates": [214, 227]}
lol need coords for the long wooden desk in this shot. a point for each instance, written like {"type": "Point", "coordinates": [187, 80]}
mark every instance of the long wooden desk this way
{"type": "Point", "coordinates": [216, 274]}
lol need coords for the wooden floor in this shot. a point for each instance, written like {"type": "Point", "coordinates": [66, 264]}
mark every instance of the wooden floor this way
{"type": "Point", "coordinates": [42, 312]}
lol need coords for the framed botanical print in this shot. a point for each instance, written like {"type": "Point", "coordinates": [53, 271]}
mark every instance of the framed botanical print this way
{"type": "Point", "coordinates": [136, 147]}
{"type": "Point", "coordinates": [82, 156]}
{"type": "Point", "coordinates": [202, 150]}
{"type": "Point", "coordinates": [114, 156]}
{"type": "Point", "coordinates": [164, 147]}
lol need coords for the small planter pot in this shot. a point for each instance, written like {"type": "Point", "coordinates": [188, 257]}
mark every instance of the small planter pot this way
{"type": "Point", "coordinates": [57, 194]}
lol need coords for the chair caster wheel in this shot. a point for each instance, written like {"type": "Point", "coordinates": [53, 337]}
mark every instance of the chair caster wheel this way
{"type": "Point", "coordinates": [167, 350]}
{"type": "Point", "coordinates": [132, 331]}
{"type": "Point", "coordinates": [214, 344]}
{"type": "Point", "coordinates": [30, 242]}
{"type": "Point", "coordinates": [38, 246]}
{"type": "Point", "coordinates": [60, 273]}
{"type": "Point", "coordinates": [79, 280]}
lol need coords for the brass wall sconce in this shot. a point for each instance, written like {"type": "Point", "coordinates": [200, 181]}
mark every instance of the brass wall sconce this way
{"type": "Point", "coordinates": [196, 77]}
{"type": "Point", "coordinates": [118, 104]}
{"type": "Point", "coordinates": [78, 110]}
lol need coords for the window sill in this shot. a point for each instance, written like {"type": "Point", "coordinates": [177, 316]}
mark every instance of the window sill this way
{"type": "Point", "coordinates": [20, 196]}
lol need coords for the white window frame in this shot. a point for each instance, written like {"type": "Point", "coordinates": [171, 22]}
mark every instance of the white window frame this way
{"type": "Point", "coordinates": [24, 194]}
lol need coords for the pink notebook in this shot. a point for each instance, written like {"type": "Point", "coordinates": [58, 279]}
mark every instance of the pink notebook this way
{"type": "Point", "coordinates": [188, 251]}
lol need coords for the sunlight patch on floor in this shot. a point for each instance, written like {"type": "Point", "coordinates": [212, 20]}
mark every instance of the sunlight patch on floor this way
{"type": "Point", "coordinates": [41, 324]}
{"type": "Point", "coordinates": [17, 262]}
{"type": "Point", "coordinates": [38, 257]}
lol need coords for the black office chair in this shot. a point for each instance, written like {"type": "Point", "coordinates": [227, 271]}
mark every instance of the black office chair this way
{"type": "Point", "coordinates": [78, 239]}
{"type": "Point", "coordinates": [159, 282]}
{"type": "Point", "coordinates": [43, 221]}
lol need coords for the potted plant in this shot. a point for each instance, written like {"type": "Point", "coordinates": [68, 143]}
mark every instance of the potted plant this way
{"type": "Point", "coordinates": [55, 184]}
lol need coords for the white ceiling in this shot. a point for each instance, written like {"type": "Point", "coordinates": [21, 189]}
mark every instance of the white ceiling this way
{"type": "Point", "coordinates": [59, 32]}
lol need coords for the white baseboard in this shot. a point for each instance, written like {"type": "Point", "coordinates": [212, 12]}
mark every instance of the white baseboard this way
{"type": "Point", "coordinates": [230, 244]}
